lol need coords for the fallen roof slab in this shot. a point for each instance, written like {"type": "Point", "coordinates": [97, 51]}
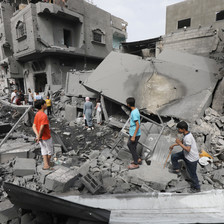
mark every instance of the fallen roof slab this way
{"type": "Point", "coordinates": [206, 207]}
{"type": "Point", "coordinates": [181, 88]}
{"type": "Point", "coordinates": [21, 197]}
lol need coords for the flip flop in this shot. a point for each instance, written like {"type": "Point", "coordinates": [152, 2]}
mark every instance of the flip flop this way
{"type": "Point", "coordinates": [139, 162]}
{"type": "Point", "coordinates": [132, 167]}
{"type": "Point", "coordinates": [50, 168]}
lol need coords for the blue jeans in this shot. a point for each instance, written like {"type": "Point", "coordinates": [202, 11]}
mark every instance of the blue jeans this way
{"type": "Point", "coordinates": [191, 167]}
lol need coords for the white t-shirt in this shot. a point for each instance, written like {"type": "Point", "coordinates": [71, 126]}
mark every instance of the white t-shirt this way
{"type": "Point", "coordinates": [98, 107]}
{"type": "Point", "coordinates": [193, 155]}
{"type": "Point", "coordinates": [15, 97]}
{"type": "Point", "coordinates": [30, 99]}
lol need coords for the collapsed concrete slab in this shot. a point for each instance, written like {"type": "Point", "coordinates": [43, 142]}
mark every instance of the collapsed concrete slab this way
{"type": "Point", "coordinates": [206, 207]}
{"type": "Point", "coordinates": [154, 174]}
{"type": "Point", "coordinates": [164, 85]}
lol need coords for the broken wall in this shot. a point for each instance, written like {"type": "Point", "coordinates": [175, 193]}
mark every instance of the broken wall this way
{"type": "Point", "coordinates": [195, 41]}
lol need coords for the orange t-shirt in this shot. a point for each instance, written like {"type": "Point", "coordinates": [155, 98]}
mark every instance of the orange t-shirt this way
{"type": "Point", "coordinates": [41, 119]}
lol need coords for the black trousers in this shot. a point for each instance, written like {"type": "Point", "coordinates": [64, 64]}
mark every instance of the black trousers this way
{"type": "Point", "coordinates": [49, 110]}
{"type": "Point", "coordinates": [132, 147]}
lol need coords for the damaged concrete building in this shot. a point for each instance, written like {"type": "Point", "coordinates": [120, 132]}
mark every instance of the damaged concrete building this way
{"type": "Point", "coordinates": [41, 42]}
{"type": "Point", "coordinates": [178, 76]}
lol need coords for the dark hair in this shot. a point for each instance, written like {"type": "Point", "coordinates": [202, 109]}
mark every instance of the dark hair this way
{"type": "Point", "coordinates": [39, 103]}
{"type": "Point", "coordinates": [182, 125]}
{"type": "Point", "coordinates": [130, 101]}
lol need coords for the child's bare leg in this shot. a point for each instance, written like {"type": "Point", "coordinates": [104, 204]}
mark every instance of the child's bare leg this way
{"type": "Point", "coordinates": [46, 163]}
{"type": "Point", "coordinates": [49, 159]}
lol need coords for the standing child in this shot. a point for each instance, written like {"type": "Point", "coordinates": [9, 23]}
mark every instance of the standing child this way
{"type": "Point", "coordinates": [98, 112]}
{"type": "Point", "coordinates": [134, 133]}
{"type": "Point", "coordinates": [189, 154]}
{"type": "Point", "coordinates": [30, 97]}
{"type": "Point", "coordinates": [48, 102]}
{"type": "Point", "coordinates": [43, 133]}
{"type": "Point", "coordinates": [87, 113]}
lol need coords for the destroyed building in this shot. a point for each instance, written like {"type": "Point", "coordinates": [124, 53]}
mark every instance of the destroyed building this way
{"type": "Point", "coordinates": [41, 42]}
{"type": "Point", "coordinates": [175, 76]}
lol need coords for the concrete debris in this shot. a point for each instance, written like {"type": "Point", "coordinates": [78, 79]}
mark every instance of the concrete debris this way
{"type": "Point", "coordinates": [91, 183]}
{"type": "Point", "coordinates": [61, 180]}
{"type": "Point", "coordinates": [24, 167]}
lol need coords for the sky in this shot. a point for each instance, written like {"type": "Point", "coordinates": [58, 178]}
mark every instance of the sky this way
{"type": "Point", "coordinates": [146, 18]}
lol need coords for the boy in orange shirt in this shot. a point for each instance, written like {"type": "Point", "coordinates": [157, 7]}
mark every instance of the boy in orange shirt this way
{"type": "Point", "coordinates": [43, 133]}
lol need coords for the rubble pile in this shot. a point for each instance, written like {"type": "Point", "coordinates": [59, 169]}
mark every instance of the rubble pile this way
{"type": "Point", "coordinates": [209, 135]}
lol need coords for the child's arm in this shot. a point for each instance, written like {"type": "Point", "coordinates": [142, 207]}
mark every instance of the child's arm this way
{"type": "Point", "coordinates": [36, 132]}
{"type": "Point", "coordinates": [41, 131]}
{"type": "Point", "coordinates": [172, 146]}
{"type": "Point", "coordinates": [136, 130]}
{"type": "Point", "coordinates": [186, 148]}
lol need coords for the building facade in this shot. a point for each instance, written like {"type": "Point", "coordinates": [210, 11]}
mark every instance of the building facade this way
{"type": "Point", "coordinates": [194, 26]}
{"type": "Point", "coordinates": [193, 14]}
{"type": "Point", "coordinates": [41, 41]}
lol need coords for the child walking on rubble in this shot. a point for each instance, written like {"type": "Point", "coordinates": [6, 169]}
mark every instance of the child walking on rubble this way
{"type": "Point", "coordinates": [43, 133]}
{"type": "Point", "coordinates": [134, 132]}
{"type": "Point", "coordinates": [189, 154]}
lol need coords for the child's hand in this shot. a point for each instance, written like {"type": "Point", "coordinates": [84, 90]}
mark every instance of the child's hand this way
{"type": "Point", "coordinates": [171, 147]}
{"type": "Point", "coordinates": [178, 141]}
{"type": "Point", "coordinates": [133, 138]}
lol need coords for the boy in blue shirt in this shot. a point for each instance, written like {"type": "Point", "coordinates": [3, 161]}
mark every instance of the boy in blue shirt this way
{"type": "Point", "coordinates": [134, 133]}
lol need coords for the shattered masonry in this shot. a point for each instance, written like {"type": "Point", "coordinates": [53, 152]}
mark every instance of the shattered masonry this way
{"type": "Point", "coordinates": [178, 76]}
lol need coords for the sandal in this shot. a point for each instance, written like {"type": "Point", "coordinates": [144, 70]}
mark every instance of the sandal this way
{"type": "Point", "coordinates": [49, 168]}
{"type": "Point", "coordinates": [133, 167]}
{"type": "Point", "coordinates": [139, 162]}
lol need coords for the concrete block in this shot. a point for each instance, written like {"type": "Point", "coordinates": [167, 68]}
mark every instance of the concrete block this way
{"type": "Point", "coordinates": [70, 112]}
{"type": "Point", "coordinates": [91, 183]}
{"type": "Point", "coordinates": [109, 183]}
{"type": "Point", "coordinates": [219, 124]}
{"type": "Point", "coordinates": [222, 119]}
{"type": "Point", "coordinates": [115, 167]}
{"type": "Point", "coordinates": [24, 167]}
{"type": "Point", "coordinates": [126, 186]}
{"type": "Point", "coordinates": [94, 154]}
{"type": "Point", "coordinates": [124, 155]}
{"type": "Point", "coordinates": [171, 123]}
{"type": "Point", "coordinates": [12, 150]}
{"type": "Point", "coordinates": [61, 180]}
{"type": "Point", "coordinates": [84, 169]}
{"type": "Point", "coordinates": [80, 138]}
{"type": "Point", "coordinates": [209, 111]}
